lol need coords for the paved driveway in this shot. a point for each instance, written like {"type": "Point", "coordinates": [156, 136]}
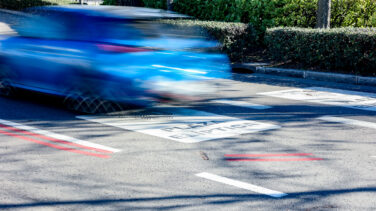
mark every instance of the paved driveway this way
{"type": "Point", "coordinates": [264, 143]}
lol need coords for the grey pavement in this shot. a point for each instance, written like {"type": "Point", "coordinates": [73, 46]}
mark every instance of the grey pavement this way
{"type": "Point", "coordinates": [155, 173]}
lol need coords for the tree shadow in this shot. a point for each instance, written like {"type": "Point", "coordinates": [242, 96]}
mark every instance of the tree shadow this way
{"type": "Point", "coordinates": [192, 201]}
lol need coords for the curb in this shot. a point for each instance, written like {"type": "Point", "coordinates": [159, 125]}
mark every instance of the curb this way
{"type": "Point", "coordinates": [307, 74]}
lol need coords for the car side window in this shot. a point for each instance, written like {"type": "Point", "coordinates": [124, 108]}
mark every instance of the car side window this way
{"type": "Point", "coordinates": [41, 27]}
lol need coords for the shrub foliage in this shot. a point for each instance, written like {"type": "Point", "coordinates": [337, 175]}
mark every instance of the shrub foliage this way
{"type": "Point", "coordinates": [159, 4]}
{"type": "Point", "coordinates": [347, 49]}
{"type": "Point", "coordinates": [22, 4]}
{"type": "Point", "coordinates": [237, 39]}
{"type": "Point", "coordinates": [265, 14]}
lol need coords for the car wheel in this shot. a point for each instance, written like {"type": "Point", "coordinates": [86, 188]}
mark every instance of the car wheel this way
{"type": "Point", "coordinates": [6, 88]}
{"type": "Point", "coordinates": [86, 102]}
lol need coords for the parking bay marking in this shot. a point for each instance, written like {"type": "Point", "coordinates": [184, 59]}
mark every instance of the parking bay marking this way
{"type": "Point", "coordinates": [241, 104]}
{"type": "Point", "coordinates": [58, 137]}
{"type": "Point", "coordinates": [256, 157]}
{"type": "Point", "coordinates": [52, 145]}
{"type": "Point", "coordinates": [337, 97]}
{"type": "Point", "coordinates": [185, 125]}
{"type": "Point", "coordinates": [242, 185]}
{"type": "Point", "coordinates": [348, 121]}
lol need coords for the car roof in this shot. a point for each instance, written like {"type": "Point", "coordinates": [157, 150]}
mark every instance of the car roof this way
{"type": "Point", "coordinates": [118, 12]}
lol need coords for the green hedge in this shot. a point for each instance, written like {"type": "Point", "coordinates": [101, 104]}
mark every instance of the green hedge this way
{"type": "Point", "coordinates": [22, 4]}
{"type": "Point", "coordinates": [265, 14]}
{"type": "Point", "coordinates": [351, 50]}
{"type": "Point", "coordinates": [237, 39]}
{"type": "Point", "coordinates": [159, 4]}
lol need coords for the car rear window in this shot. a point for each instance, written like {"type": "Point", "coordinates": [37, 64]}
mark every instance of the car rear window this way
{"type": "Point", "coordinates": [147, 29]}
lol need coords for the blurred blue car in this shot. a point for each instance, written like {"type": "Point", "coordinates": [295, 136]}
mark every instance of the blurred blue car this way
{"type": "Point", "coordinates": [103, 57]}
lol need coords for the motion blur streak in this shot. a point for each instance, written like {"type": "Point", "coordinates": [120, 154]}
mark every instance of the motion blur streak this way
{"type": "Point", "coordinates": [103, 57]}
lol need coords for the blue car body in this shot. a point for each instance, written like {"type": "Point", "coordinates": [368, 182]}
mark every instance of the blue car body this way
{"type": "Point", "coordinates": [118, 53]}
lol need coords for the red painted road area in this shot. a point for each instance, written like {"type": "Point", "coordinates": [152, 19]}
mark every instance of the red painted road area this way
{"type": "Point", "coordinates": [245, 157]}
{"type": "Point", "coordinates": [26, 135]}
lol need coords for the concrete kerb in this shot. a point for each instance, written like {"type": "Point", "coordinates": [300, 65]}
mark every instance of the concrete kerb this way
{"type": "Point", "coordinates": [306, 74]}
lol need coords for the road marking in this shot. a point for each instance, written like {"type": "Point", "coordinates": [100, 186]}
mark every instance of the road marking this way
{"type": "Point", "coordinates": [56, 136]}
{"type": "Point", "coordinates": [337, 97]}
{"type": "Point", "coordinates": [267, 155]}
{"type": "Point", "coordinates": [373, 156]}
{"type": "Point", "coordinates": [242, 104]}
{"type": "Point", "coordinates": [52, 145]}
{"type": "Point", "coordinates": [273, 159]}
{"type": "Point", "coordinates": [242, 185]}
{"type": "Point", "coordinates": [52, 139]}
{"type": "Point", "coordinates": [183, 125]}
{"type": "Point", "coordinates": [245, 157]}
{"type": "Point", "coordinates": [348, 121]}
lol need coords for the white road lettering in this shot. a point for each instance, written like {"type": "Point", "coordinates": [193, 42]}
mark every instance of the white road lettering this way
{"type": "Point", "coordinates": [186, 126]}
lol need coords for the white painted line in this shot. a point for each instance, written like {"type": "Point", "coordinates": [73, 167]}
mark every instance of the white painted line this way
{"type": "Point", "coordinates": [242, 104]}
{"type": "Point", "coordinates": [242, 185]}
{"type": "Point", "coordinates": [348, 121]}
{"type": "Point", "coordinates": [57, 136]}
{"type": "Point", "coordinates": [184, 125]}
{"type": "Point", "coordinates": [336, 97]}
{"type": "Point", "coordinates": [373, 156]}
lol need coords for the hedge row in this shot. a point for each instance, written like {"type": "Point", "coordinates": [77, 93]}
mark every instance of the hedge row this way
{"type": "Point", "coordinates": [22, 4]}
{"type": "Point", "coordinates": [265, 14]}
{"type": "Point", "coordinates": [351, 50]}
{"type": "Point", "coordinates": [237, 39]}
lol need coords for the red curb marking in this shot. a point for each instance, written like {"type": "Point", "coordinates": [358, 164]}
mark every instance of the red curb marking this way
{"type": "Point", "coordinates": [53, 145]}
{"type": "Point", "coordinates": [53, 139]}
{"type": "Point", "coordinates": [275, 159]}
{"type": "Point", "coordinates": [267, 155]}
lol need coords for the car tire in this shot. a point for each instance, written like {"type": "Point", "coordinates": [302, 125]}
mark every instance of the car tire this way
{"type": "Point", "coordinates": [89, 103]}
{"type": "Point", "coordinates": [6, 88]}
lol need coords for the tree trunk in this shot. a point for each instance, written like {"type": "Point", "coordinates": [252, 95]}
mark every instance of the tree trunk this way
{"type": "Point", "coordinates": [323, 14]}
{"type": "Point", "coordinates": [169, 4]}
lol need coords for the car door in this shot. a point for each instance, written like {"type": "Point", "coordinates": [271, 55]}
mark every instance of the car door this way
{"type": "Point", "coordinates": [44, 57]}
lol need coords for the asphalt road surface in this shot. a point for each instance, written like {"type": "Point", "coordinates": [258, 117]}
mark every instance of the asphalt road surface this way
{"type": "Point", "coordinates": [263, 143]}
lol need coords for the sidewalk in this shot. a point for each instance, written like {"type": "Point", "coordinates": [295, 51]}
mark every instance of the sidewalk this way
{"type": "Point", "coordinates": [306, 74]}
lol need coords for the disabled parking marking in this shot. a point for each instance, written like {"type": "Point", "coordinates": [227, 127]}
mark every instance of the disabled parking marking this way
{"type": "Point", "coordinates": [184, 125]}
{"type": "Point", "coordinates": [337, 97]}
{"type": "Point", "coordinates": [348, 121]}
{"type": "Point", "coordinates": [243, 185]}
{"type": "Point", "coordinates": [255, 157]}
{"type": "Point", "coordinates": [242, 104]}
{"type": "Point", "coordinates": [54, 137]}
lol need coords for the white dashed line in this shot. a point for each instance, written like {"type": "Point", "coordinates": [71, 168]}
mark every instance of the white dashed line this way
{"type": "Point", "coordinates": [57, 136]}
{"type": "Point", "coordinates": [336, 97]}
{"type": "Point", "coordinates": [348, 121]}
{"type": "Point", "coordinates": [242, 104]}
{"type": "Point", "coordinates": [242, 185]}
